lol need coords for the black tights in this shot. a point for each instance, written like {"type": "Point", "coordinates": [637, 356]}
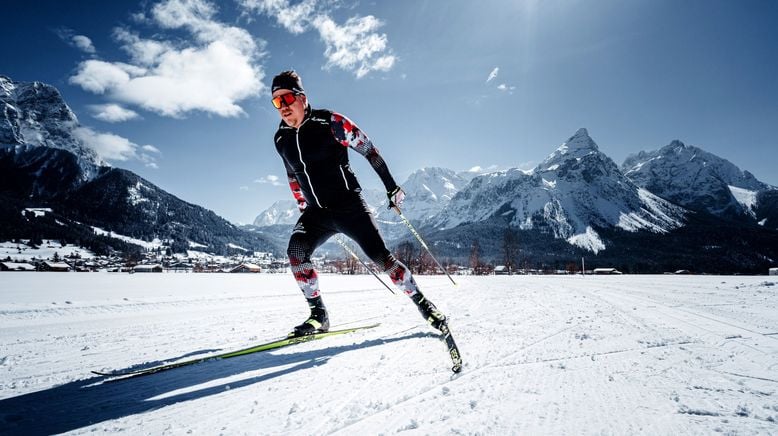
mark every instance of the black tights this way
{"type": "Point", "coordinates": [316, 225]}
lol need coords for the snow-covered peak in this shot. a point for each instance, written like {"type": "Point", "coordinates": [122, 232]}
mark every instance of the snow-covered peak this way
{"type": "Point", "coordinates": [576, 147]}
{"type": "Point", "coordinates": [7, 87]}
{"type": "Point", "coordinates": [580, 141]}
{"type": "Point", "coordinates": [280, 212]}
{"type": "Point", "coordinates": [581, 138]}
{"type": "Point", "coordinates": [434, 184]}
{"type": "Point", "coordinates": [694, 178]}
{"type": "Point", "coordinates": [34, 114]}
{"type": "Point", "coordinates": [678, 145]}
{"type": "Point", "coordinates": [574, 192]}
{"type": "Point", "coordinates": [428, 191]}
{"type": "Point", "coordinates": [687, 160]}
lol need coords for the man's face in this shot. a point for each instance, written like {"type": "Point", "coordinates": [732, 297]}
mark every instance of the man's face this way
{"type": "Point", "coordinates": [292, 113]}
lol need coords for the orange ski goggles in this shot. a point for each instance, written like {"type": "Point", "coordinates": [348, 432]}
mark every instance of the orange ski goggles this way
{"type": "Point", "coordinates": [284, 100]}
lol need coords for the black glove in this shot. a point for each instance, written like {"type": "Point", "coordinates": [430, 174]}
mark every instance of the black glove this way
{"type": "Point", "coordinates": [396, 197]}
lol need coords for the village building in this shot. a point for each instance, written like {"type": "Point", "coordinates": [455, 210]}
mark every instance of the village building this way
{"type": "Point", "coordinates": [156, 268]}
{"type": "Point", "coordinates": [501, 270]}
{"type": "Point", "coordinates": [14, 266]}
{"type": "Point", "coordinates": [246, 268]}
{"type": "Point", "coordinates": [54, 266]}
{"type": "Point", "coordinates": [181, 267]}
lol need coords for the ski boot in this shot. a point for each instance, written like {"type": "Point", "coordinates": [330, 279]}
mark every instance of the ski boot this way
{"type": "Point", "coordinates": [429, 311]}
{"type": "Point", "coordinates": [318, 322]}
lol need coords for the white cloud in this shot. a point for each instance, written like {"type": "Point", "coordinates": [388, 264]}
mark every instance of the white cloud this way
{"type": "Point", "coordinates": [80, 42]}
{"type": "Point", "coordinates": [83, 43]}
{"type": "Point", "coordinates": [269, 179]}
{"type": "Point", "coordinates": [151, 148]}
{"type": "Point", "coordinates": [353, 46]}
{"type": "Point", "coordinates": [506, 88]}
{"type": "Point", "coordinates": [493, 74]}
{"type": "Point", "coordinates": [293, 18]}
{"type": "Point", "coordinates": [114, 147]}
{"type": "Point", "coordinates": [112, 113]}
{"type": "Point", "coordinates": [502, 86]}
{"type": "Point", "coordinates": [149, 161]}
{"type": "Point", "coordinates": [146, 52]}
{"type": "Point", "coordinates": [481, 170]}
{"type": "Point", "coordinates": [100, 77]}
{"type": "Point", "coordinates": [211, 71]}
{"type": "Point", "coordinates": [244, 188]}
{"type": "Point", "coordinates": [107, 145]}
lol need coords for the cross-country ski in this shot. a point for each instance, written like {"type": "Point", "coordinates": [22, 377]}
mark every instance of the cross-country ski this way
{"type": "Point", "coordinates": [272, 345]}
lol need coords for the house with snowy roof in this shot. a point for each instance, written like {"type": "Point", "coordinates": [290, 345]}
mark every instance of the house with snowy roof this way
{"type": "Point", "coordinates": [155, 268]}
{"type": "Point", "coordinates": [16, 266]}
{"type": "Point", "coordinates": [54, 266]}
{"type": "Point", "coordinates": [246, 268]}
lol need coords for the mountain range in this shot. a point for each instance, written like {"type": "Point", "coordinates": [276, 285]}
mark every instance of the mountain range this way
{"type": "Point", "coordinates": [677, 207]}
{"type": "Point", "coordinates": [45, 165]}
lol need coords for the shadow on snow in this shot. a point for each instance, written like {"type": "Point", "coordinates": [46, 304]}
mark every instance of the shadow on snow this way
{"type": "Point", "coordinates": [87, 402]}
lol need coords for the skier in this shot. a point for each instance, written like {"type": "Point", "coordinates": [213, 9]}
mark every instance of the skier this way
{"type": "Point", "coordinates": [314, 143]}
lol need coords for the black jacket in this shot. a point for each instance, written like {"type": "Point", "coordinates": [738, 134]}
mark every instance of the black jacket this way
{"type": "Point", "coordinates": [316, 158]}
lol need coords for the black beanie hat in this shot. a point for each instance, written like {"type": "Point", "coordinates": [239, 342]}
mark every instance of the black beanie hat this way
{"type": "Point", "coordinates": [288, 80]}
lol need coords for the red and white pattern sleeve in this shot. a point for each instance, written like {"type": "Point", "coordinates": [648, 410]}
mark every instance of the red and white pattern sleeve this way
{"type": "Point", "coordinates": [349, 135]}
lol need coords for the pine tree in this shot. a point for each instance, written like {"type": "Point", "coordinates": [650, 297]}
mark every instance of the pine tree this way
{"type": "Point", "coordinates": [475, 257]}
{"type": "Point", "coordinates": [510, 247]}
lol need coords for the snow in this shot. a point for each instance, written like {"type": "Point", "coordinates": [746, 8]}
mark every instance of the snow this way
{"type": "Point", "coordinates": [664, 216]}
{"type": "Point", "coordinates": [18, 266]}
{"type": "Point", "coordinates": [134, 195]}
{"type": "Point", "coordinates": [23, 252]}
{"type": "Point", "coordinates": [200, 255]}
{"type": "Point", "coordinates": [153, 245]}
{"type": "Point", "coordinates": [632, 222]}
{"type": "Point", "coordinates": [745, 197]}
{"type": "Point", "coordinates": [543, 355]}
{"type": "Point", "coordinates": [37, 211]}
{"type": "Point", "coordinates": [193, 244]}
{"type": "Point", "coordinates": [589, 240]}
{"type": "Point", "coordinates": [7, 86]}
{"type": "Point", "coordinates": [236, 247]}
{"type": "Point", "coordinates": [431, 194]}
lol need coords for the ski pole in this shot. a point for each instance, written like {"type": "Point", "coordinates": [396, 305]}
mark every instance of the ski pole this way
{"type": "Point", "coordinates": [418, 236]}
{"type": "Point", "coordinates": [354, 255]}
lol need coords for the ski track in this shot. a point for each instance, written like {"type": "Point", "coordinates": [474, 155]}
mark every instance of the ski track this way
{"type": "Point", "coordinates": [542, 355]}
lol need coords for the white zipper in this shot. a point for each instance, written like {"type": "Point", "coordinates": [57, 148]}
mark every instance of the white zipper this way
{"type": "Point", "coordinates": [305, 170]}
{"type": "Point", "coordinates": [344, 176]}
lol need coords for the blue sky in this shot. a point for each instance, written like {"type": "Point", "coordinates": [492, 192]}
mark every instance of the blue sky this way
{"type": "Point", "coordinates": [176, 90]}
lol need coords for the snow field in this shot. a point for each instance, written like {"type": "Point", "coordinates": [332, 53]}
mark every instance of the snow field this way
{"type": "Point", "coordinates": [543, 355]}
